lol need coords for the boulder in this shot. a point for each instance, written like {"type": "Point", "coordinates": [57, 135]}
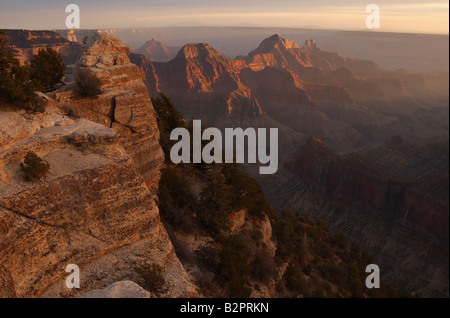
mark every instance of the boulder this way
{"type": "Point", "coordinates": [122, 289]}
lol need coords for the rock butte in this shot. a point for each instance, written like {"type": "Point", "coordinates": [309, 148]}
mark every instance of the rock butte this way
{"type": "Point", "coordinates": [94, 209]}
{"type": "Point", "coordinates": [124, 105]}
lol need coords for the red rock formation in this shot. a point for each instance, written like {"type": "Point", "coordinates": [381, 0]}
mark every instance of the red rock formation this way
{"type": "Point", "coordinates": [157, 51]}
{"type": "Point", "coordinates": [198, 77]}
{"type": "Point", "coordinates": [25, 44]}
{"type": "Point", "coordinates": [401, 221]}
{"type": "Point", "coordinates": [314, 92]}
{"type": "Point", "coordinates": [124, 104]}
{"type": "Point", "coordinates": [351, 180]}
{"type": "Point", "coordinates": [93, 210]}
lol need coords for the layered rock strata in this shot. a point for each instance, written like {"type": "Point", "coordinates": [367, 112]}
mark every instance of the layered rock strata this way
{"type": "Point", "coordinates": [93, 210]}
{"type": "Point", "coordinates": [124, 104]}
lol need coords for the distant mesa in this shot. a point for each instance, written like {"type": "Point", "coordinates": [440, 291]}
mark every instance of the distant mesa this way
{"type": "Point", "coordinates": [199, 50]}
{"type": "Point", "coordinates": [157, 51]}
{"type": "Point", "coordinates": [25, 43]}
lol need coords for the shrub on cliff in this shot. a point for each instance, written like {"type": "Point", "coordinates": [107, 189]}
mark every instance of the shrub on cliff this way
{"type": "Point", "coordinates": [234, 266]}
{"type": "Point", "coordinates": [168, 118]}
{"type": "Point", "coordinates": [47, 68]}
{"type": "Point", "coordinates": [214, 204]}
{"type": "Point", "coordinates": [33, 167]}
{"type": "Point", "coordinates": [15, 83]}
{"type": "Point", "coordinates": [295, 280]}
{"type": "Point", "coordinates": [88, 85]}
{"type": "Point", "coordinates": [153, 279]}
{"type": "Point", "coordinates": [176, 201]}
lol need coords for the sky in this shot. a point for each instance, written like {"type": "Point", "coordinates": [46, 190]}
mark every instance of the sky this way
{"type": "Point", "coordinates": [411, 16]}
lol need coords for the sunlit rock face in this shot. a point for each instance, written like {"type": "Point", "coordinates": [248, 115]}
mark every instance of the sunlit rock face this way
{"type": "Point", "coordinates": [93, 210]}
{"type": "Point", "coordinates": [26, 43]}
{"type": "Point", "coordinates": [124, 104]}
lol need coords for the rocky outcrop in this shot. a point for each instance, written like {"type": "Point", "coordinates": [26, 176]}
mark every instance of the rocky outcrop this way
{"type": "Point", "coordinates": [157, 51]}
{"type": "Point", "coordinates": [93, 210]}
{"type": "Point", "coordinates": [277, 52]}
{"type": "Point", "coordinates": [26, 43]}
{"type": "Point", "coordinates": [7, 289]}
{"type": "Point", "coordinates": [400, 221]}
{"type": "Point", "coordinates": [122, 289]}
{"type": "Point", "coordinates": [198, 77]}
{"type": "Point", "coordinates": [124, 104]}
{"type": "Point", "coordinates": [347, 103]}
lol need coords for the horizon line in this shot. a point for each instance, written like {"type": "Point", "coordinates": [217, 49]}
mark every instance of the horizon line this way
{"type": "Point", "coordinates": [237, 26]}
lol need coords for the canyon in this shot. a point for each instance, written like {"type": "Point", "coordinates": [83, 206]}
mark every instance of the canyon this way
{"type": "Point", "coordinates": [97, 207]}
{"type": "Point", "coordinates": [415, 52]}
{"type": "Point", "coordinates": [157, 51]}
{"type": "Point", "coordinates": [348, 105]}
{"type": "Point", "coordinates": [361, 147]}
{"type": "Point", "coordinates": [25, 44]}
{"type": "Point", "coordinates": [401, 217]}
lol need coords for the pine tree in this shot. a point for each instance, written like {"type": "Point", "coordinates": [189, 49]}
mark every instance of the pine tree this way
{"type": "Point", "coordinates": [47, 68]}
{"type": "Point", "coordinates": [15, 83]}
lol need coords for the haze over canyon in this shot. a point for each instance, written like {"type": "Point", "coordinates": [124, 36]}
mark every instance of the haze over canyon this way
{"type": "Point", "coordinates": [363, 122]}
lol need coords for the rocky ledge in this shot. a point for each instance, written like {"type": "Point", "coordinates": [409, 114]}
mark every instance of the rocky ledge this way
{"type": "Point", "coordinates": [93, 210]}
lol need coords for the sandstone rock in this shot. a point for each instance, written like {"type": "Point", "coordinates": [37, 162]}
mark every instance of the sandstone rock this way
{"type": "Point", "coordinates": [26, 43]}
{"type": "Point", "coordinates": [7, 289]}
{"type": "Point", "coordinates": [123, 105]}
{"type": "Point", "coordinates": [93, 135]}
{"type": "Point", "coordinates": [106, 60]}
{"type": "Point", "coordinates": [14, 127]}
{"type": "Point", "coordinates": [99, 65]}
{"type": "Point", "coordinates": [122, 289]}
{"type": "Point", "coordinates": [405, 219]}
{"type": "Point", "coordinates": [93, 210]}
{"type": "Point", "coordinates": [121, 59]}
{"type": "Point", "coordinates": [88, 60]}
{"type": "Point", "coordinates": [55, 119]}
{"type": "Point", "coordinates": [157, 51]}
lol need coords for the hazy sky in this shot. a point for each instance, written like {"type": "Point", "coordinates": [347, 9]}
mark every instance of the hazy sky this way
{"type": "Point", "coordinates": [396, 15]}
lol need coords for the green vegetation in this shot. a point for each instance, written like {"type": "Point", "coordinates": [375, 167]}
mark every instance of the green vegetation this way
{"type": "Point", "coordinates": [214, 203]}
{"type": "Point", "coordinates": [47, 68]}
{"type": "Point", "coordinates": [152, 277]}
{"type": "Point", "coordinates": [246, 192]}
{"type": "Point", "coordinates": [263, 267]}
{"type": "Point", "coordinates": [234, 266]}
{"type": "Point", "coordinates": [310, 260]}
{"type": "Point", "coordinates": [15, 80]}
{"type": "Point", "coordinates": [18, 83]}
{"type": "Point", "coordinates": [88, 85]}
{"type": "Point", "coordinates": [33, 167]}
{"type": "Point", "coordinates": [228, 188]}
{"type": "Point", "coordinates": [168, 118]}
{"type": "Point", "coordinates": [70, 110]}
{"type": "Point", "coordinates": [176, 201]}
{"type": "Point", "coordinates": [295, 279]}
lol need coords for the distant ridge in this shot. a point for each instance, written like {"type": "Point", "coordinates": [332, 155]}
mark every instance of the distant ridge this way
{"type": "Point", "coordinates": [157, 51]}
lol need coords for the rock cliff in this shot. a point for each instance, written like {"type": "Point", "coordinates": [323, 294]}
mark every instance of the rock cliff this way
{"type": "Point", "coordinates": [348, 103]}
{"type": "Point", "coordinates": [122, 289]}
{"type": "Point", "coordinates": [157, 51]}
{"type": "Point", "coordinates": [124, 104]}
{"type": "Point", "coordinates": [93, 210]}
{"type": "Point", "coordinates": [402, 221]}
{"type": "Point", "coordinates": [26, 43]}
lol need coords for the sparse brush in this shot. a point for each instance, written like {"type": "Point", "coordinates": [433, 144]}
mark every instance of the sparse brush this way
{"type": "Point", "coordinates": [88, 85]}
{"type": "Point", "coordinates": [33, 167]}
{"type": "Point", "coordinates": [153, 279]}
